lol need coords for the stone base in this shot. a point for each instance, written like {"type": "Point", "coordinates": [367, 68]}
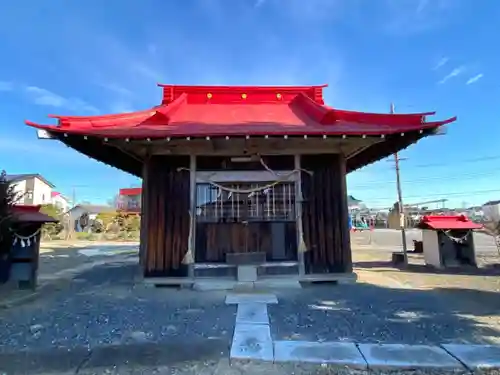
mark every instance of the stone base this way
{"type": "Point", "coordinates": [247, 273]}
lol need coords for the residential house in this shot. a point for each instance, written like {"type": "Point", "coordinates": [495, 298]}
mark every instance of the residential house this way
{"type": "Point", "coordinates": [355, 204]}
{"type": "Point", "coordinates": [60, 201]}
{"type": "Point", "coordinates": [82, 215]}
{"type": "Point", "coordinates": [129, 200]}
{"type": "Point", "coordinates": [31, 189]}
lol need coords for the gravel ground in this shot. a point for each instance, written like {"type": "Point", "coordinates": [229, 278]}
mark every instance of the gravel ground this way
{"type": "Point", "coordinates": [103, 306]}
{"type": "Point", "coordinates": [369, 313]}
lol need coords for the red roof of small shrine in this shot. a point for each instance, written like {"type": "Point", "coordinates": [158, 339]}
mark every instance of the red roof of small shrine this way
{"type": "Point", "coordinates": [448, 222]}
{"type": "Point", "coordinates": [31, 214]}
{"type": "Point", "coordinates": [238, 111]}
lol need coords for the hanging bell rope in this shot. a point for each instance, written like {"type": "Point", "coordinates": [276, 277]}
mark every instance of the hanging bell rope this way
{"type": "Point", "coordinates": [188, 257]}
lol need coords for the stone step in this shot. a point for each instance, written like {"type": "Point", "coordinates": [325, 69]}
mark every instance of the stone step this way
{"type": "Point", "coordinates": [230, 270]}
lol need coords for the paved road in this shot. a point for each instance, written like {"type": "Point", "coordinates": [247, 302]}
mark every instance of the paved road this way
{"type": "Point", "coordinates": [391, 238]}
{"type": "Point", "coordinates": [57, 258]}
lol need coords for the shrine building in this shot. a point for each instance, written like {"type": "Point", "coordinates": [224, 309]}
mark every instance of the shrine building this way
{"type": "Point", "coordinates": [236, 175]}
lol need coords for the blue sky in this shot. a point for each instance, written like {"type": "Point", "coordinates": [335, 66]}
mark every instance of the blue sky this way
{"type": "Point", "coordinates": [94, 56]}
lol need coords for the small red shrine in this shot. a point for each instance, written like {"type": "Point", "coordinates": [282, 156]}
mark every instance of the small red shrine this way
{"type": "Point", "coordinates": [242, 170]}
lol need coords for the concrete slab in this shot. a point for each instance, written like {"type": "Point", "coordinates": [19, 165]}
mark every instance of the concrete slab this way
{"type": "Point", "coordinates": [252, 313]}
{"type": "Point", "coordinates": [338, 353]}
{"type": "Point", "coordinates": [476, 357]}
{"type": "Point", "coordinates": [252, 341]}
{"type": "Point", "coordinates": [247, 273]}
{"type": "Point", "coordinates": [390, 356]}
{"type": "Point", "coordinates": [235, 298]}
{"type": "Point", "coordinates": [208, 285]}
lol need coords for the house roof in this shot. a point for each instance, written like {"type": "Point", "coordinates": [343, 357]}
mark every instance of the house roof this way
{"type": "Point", "coordinates": [31, 214]}
{"type": "Point", "coordinates": [130, 191]}
{"type": "Point", "coordinates": [352, 200]}
{"type": "Point", "coordinates": [93, 208]}
{"type": "Point", "coordinates": [26, 176]}
{"type": "Point", "coordinates": [239, 111]}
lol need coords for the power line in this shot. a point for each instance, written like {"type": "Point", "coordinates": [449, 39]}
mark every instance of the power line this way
{"type": "Point", "coordinates": [457, 161]}
{"type": "Point", "coordinates": [453, 194]}
{"type": "Point", "coordinates": [470, 176]}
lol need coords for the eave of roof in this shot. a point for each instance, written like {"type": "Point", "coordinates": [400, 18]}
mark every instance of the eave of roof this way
{"type": "Point", "coordinates": [25, 176]}
{"type": "Point", "coordinates": [239, 111]}
{"type": "Point", "coordinates": [231, 111]}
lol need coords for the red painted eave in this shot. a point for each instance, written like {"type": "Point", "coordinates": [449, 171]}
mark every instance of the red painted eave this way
{"type": "Point", "coordinates": [448, 222]}
{"type": "Point", "coordinates": [238, 111]}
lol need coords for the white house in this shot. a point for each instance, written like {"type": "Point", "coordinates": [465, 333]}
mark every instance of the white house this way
{"type": "Point", "coordinates": [31, 189]}
{"type": "Point", "coordinates": [60, 201]}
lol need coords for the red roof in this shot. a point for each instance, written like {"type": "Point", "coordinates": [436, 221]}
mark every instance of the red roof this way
{"type": "Point", "coordinates": [130, 191]}
{"type": "Point", "coordinates": [239, 111]}
{"type": "Point", "coordinates": [448, 222]}
{"type": "Point", "coordinates": [31, 214]}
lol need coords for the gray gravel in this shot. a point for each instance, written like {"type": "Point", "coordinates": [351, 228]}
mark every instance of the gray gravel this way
{"type": "Point", "coordinates": [367, 313]}
{"type": "Point", "coordinates": [103, 306]}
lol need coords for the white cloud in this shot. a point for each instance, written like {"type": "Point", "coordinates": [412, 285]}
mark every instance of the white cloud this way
{"type": "Point", "coordinates": [6, 86]}
{"type": "Point", "coordinates": [121, 107]}
{"type": "Point", "coordinates": [410, 17]}
{"type": "Point", "coordinates": [441, 63]}
{"type": "Point", "coordinates": [117, 89]}
{"type": "Point", "coordinates": [44, 97]}
{"type": "Point", "coordinates": [474, 79]}
{"type": "Point", "coordinates": [455, 72]}
{"type": "Point", "coordinates": [30, 147]}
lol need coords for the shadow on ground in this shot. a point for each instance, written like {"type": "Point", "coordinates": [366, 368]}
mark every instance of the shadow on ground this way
{"type": "Point", "coordinates": [492, 269]}
{"type": "Point", "coordinates": [105, 306]}
{"type": "Point", "coordinates": [370, 313]}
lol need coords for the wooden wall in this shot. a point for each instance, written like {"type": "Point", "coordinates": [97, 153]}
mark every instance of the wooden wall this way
{"type": "Point", "coordinates": [216, 239]}
{"type": "Point", "coordinates": [324, 214]}
{"type": "Point", "coordinates": [165, 221]}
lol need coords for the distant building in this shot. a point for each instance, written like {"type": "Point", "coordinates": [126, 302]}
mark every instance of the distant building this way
{"type": "Point", "coordinates": [82, 215]}
{"type": "Point", "coordinates": [31, 189]}
{"type": "Point", "coordinates": [60, 201]}
{"type": "Point", "coordinates": [129, 200]}
{"type": "Point", "coordinates": [491, 211]}
{"type": "Point", "coordinates": [355, 204]}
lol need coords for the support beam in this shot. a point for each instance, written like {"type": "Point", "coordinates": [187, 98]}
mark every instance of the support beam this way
{"type": "Point", "coordinates": [344, 227]}
{"type": "Point", "coordinates": [143, 245]}
{"type": "Point", "coordinates": [298, 211]}
{"type": "Point", "coordinates": [192, 211]}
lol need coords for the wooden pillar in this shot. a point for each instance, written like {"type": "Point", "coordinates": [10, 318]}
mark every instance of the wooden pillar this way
{"type": "Point", "coordinates": [143, 234]}
{"type": "Point", "coordinates": [298, 212]}
{"type": "Point", "coordinates": [325, 214]}
{"type": "Point", "coordinates": [344, 213]}
{"type": "Point", "coordinates": [192, 213]}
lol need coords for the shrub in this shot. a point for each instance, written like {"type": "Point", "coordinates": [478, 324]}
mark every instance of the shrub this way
{"type": "Point", "coordinates": [8, 197]}
{"type": "Point", "coordinates": [52, 229]}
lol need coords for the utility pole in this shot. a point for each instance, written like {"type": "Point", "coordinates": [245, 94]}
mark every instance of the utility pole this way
{"type": "Point", "coordinates": [402, 220]}
{"type": "Point", "coordinates": [74, 196]}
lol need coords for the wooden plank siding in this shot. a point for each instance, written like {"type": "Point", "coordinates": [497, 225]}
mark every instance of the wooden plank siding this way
{"type": "Point", "coordinates": [166, 215]}
{"type": "Point", "coordinates": [215, 240]}
{"type": "Point", "coordinates": [324, 214]}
